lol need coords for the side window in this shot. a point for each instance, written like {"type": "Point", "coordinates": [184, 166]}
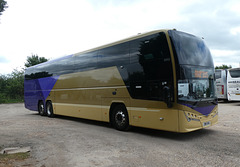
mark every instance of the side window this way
{"type": "Point", "coordinates": [116, 55]}
{"type": "Point", "coordinates": [152, 54]}
{"type": "Point", "coordinates": [234, 73]}
{"type": "Point", "coordinates": [218, 74]}
{"type": "Point", "coordinates": [86, 61]}
{"type": "Point", "coordinates": [61, 66]}
{"type": "Point", "coordinates": [135, 48]}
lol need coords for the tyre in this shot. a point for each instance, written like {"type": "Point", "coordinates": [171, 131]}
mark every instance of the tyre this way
{"type": "Point", "coordinates": [119, 118]}
{"type": "Point", "coordinates": [49, 109]}
{"type": "Point", "coordinates": [41, 109]}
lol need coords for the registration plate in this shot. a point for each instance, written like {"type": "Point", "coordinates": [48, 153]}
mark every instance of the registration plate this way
{"type": "Point", "coordinates": [206, 123]}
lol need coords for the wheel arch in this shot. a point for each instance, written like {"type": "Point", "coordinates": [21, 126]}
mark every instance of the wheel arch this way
{"type": "Point", "coordinates": [48, 101]}
{"type": "Point", "coordinates": [113, 105]}
{"type": "Point", "coordinates": [40, 100]}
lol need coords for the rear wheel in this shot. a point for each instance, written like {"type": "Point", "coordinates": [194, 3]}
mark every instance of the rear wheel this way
{"type": "Point", "coordinates": [49, 109]}
{"type": "Point", "coordinates": [119, 118]}
{"type": "Point", "coordinates": [41, 109]}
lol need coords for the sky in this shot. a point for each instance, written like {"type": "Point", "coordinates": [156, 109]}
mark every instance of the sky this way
{"type": "Point", "coordinates": [56, 28]}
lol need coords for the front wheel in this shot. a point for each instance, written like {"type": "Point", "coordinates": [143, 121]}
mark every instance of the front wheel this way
{"type": "Point", "coordinates": [49, 109]}
{"type": "Point", "coordinates": [119, 118]}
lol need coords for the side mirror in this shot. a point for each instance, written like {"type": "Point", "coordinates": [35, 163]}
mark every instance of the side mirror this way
{"type": "Point", "coordinates": [167, 96]}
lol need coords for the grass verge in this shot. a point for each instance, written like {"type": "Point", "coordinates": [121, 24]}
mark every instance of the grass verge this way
{"type": "Point", "coordinates": [8, 158]}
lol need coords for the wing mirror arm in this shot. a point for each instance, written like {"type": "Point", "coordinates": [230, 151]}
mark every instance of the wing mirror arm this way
{"type": "Point", "coordinates": [167, 96]}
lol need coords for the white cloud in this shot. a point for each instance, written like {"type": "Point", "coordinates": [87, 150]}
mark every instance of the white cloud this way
{"type": "Point", "coordinates": [227, 57]}
{"type": "Point", "coordinates": [235, 30]}
{"type": "Point", "coordinates": [235, 6]}
{"type": "Point", "coordinates": [58, 27]}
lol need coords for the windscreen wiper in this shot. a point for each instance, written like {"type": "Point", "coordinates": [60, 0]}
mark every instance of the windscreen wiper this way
{"type": "Point", "coordinates": [196, 103]}
{"type": "Point", "coordinates": [214, 102]}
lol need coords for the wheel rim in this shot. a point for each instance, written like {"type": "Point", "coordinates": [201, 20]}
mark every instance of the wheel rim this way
{"type": "Point", "coordinates": [120, 118]}
{"type": "Point", "coordinates": [41, 108]}
{"type": "Point", "coordinates": [49, 109]}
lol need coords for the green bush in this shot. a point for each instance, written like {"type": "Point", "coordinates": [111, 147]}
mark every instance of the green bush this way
{"type": "Point", "coordinates": [2, 98]}
{"type": "Point", "coordinates": [12, 87]}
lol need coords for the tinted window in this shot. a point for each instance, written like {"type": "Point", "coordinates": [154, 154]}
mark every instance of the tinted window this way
{"type": "Point", "coordinates": [55, 67]}
{"type": "Point", "coordinates": [33, 73]}
{"type": "Point", "coordinates": [154, 56]}
{"type": "Point", "coordinates": [190, 50]}
{"type": "Point", "coordinates": [151, 67]}
{"type": "Point", "coordinates": [235, 73]}
{"type": "Point", "coordinates": [36, 72]}
{"type": "Point", "coordinates": [114, 55]}
{"type": "Point", "coordinates": [60, 66]}
{"type": "Point", "coordinates": [218, 74]}
{"type": "Point", "coordinates": [135, 48]}
{"type": "Point", "coordinates": [86, 61]}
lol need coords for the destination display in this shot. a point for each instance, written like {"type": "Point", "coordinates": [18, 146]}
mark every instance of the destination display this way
{"type": "Point", "coordinates": [201, 73]}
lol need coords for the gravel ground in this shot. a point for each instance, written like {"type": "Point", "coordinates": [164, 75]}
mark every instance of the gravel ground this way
{"type": "Point", "coordinates": [64, 141]}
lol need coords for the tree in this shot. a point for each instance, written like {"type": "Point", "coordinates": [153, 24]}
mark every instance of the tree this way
{"type": "Point", "coordinates": [34, 60]}
{"type": "Point", "coordinates": [11, 86]}
{"type": "Point", "coordinates": [2, 88]}
{"type": "Point", "coordinates": [14, 84]}
{"type": "Point", "coordinates": [3, 6]}
{"type": "Point", "coordinates": [223, 67]}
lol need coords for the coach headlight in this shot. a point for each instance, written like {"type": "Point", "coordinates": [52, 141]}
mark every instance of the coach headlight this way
{"type": "Point", "coordinates": [191, 116]}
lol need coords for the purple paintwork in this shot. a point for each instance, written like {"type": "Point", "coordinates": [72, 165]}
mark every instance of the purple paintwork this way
{"type": "Point", "coordinates": [203, 110]}
{"type": "Point", "coordinates": [37, 89]}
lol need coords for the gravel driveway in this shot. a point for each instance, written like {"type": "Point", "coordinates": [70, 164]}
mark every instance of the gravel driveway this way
{"type": "Point", "coordinates": [65, 141]}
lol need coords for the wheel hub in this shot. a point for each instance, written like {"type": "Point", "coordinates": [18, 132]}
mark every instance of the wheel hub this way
{"type": "Point", "coordinates": [120, 118]}
{"type": "Point", "coordinates": [48, 110]}
{"type": "Point", "coordinates": [41, 108]}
